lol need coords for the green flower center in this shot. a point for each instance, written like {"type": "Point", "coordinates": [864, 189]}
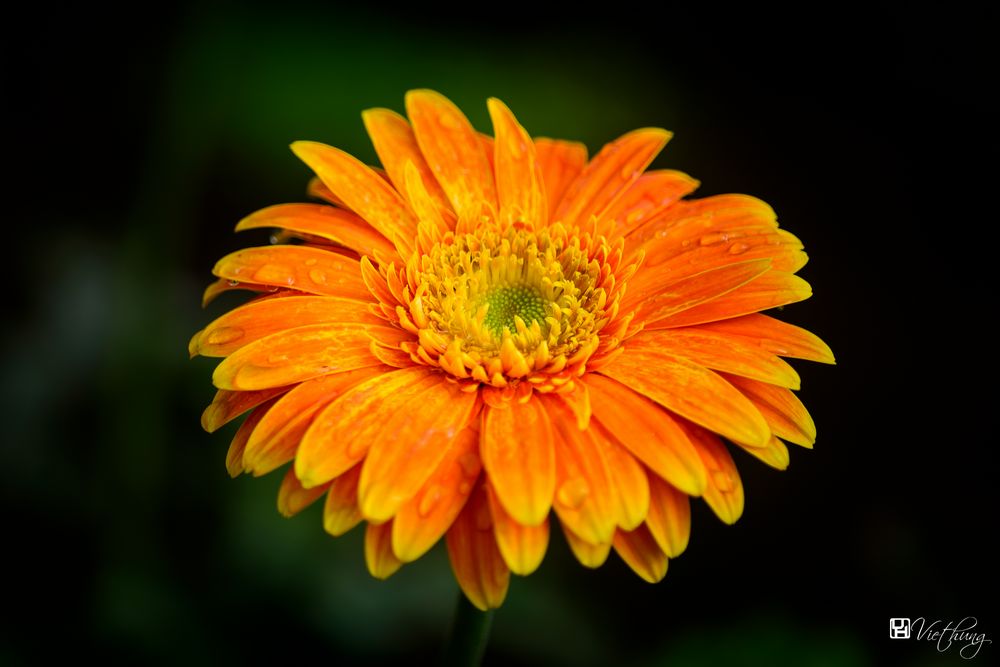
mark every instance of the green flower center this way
{"type": "Point", "coordinates": [507, 302]}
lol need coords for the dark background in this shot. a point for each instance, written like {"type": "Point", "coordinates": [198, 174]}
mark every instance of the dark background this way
{"type": "Point", "coordinates": [136, 142]}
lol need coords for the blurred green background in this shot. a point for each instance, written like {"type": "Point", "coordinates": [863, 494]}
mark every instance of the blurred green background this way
{"type": "Point", "coordinates": [139, 141]}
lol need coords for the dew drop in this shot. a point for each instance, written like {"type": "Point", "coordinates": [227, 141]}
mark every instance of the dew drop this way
{"type": "Point", "coordinates": [573, 493]}
{"type": "Point", "coordinates": [274, 273]}
{"type": "Point", "coordinates": [464, 488]}
{"type": "Point", "coordinates": [628, 173]}
{"type": "Point", "coordinates": [713, 239]}
{"type": "Point", "coordinates": [723, 481]}
{"type": "Point", "coordinates": [234, 283]}
{"type": "Point", "coordinates": [311, 261]}
{"type": "Point", "coordinates": [224, 335]}
{"type": "Point", "coordinates": [738, 248]}
{"type": "Point", "coordinates": [429, 500]}
{"type": "Point", "coordinates": [318, 276]}
{"type": "Point", "coordinates": [277, 358]}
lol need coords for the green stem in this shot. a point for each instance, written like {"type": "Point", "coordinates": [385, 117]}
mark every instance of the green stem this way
{"type": "Point", "coordinates": [469, 634]}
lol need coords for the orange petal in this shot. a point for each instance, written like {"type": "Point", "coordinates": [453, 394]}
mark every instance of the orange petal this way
{"type": "Point", "coordinates": [669, 518]}
{"type": "Point", "coordinates": [522, 547]}
{"type": "Point", "coordinates": [234, 457]}
{"type": "Point", "coordinates": [664, 296]}
{"type": "Point", "coordinates": [277, 436]}
{"type": "Point", "coordinates": [641, 553]}
{"type": "Point", "coordinates": [411, 443]}
{"type": "Point", "coordinates": [396, 146]}
{"type": "Point", "coordinates": [228, 405]}
{"type": "Point", "coordinates": [613, 170]}
{"type": "Point", "coordinates": [222, 285]}
{"type": "Point", "coordinates": [426, 517]}
{"type": "Point", "coordinates": [721, 353]}
{"type": "Point", "coordinates": [578, 400]}
{"type": "Point", "coordinates": [627, 476]}
{"type": "Point", "coordinates": [770, 290]}
{"type": "Point", "coordinates": [342, 432]}
{"type": "Point", "coordinates": [381, 561]}
{"type": "Point", "coordinates": [775, 454]}
{"type": "Point", "coordinates": [589, 555]}
{"type": "Point", "coordinates": [318, 190]}
{"type": "Point", "coordinates": [519, 456]}
{"type": "Point", "coordinates": [475, 557]}
{"type": "Point", "coordinates": [340, 513]}
{"type": "Point", "coordinates": [454, 152]}
{"type": "Point", "coordinates": [585, 500]}
{"type": "Point", "coordinates": [364, 191]}
{"type": "Point", "coordinates": [258, 319]}
{"type": "Point", "coordinates": [724, 493]}
{"type": "Point", "coordinates": [560, 163]}
{"type": "Point", "coordinates": [711, 249]}
{"type": "Point", "coordinates": [707, 214]}
{"type": "Point", "coordinates": [782, 410]}
{"type": "Point", "coordinates": [333, 224]}
{"type": "Point", "coordinates": [302, 268]}
{"type": "Point", "coordinates": [520, 191]}
{"type": "Point", "coordinates": [690, 390]}
{"type": "Point", "coordinates": [775, 336]}
{"type": "Point", "coordinates": [292, 498]}
{"type": "Point", "coordinates": [298, 354]}
{"type": "Point", "coordinates": [651, 194]}
{"type": "Point", "coordinates": [649, 432]}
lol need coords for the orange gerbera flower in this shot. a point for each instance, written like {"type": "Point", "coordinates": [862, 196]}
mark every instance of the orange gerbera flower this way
{"type": "Point", "coordinates": [492, 328]}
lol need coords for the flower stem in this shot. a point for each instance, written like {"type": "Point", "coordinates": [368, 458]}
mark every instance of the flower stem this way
{"type": "Point", "coordinates": [469, 634]}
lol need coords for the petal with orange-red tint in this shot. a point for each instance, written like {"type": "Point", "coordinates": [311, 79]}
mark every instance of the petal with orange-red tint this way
{"type": "Point", "coordinates": [292, 498]}
{"type": "Point", "coordinates": [782, 410]}
{"type": "Point", "coordinates": [522, 547]}
{"type": "Point", "coordinates": [228, 405]}
{"type": "Point", "coordinates": [411, 443]}
{"type": "Point", "coordinates": [298, 267]}
{"type": "Point", "coordinates": [724, 493]}
{"type": "Point", "coordinates": [333, 224]}
{"type": "Point", "coordinates": [342, 432]}
{"type": "Point", "coordinates": [651, 194]}
{"type": "Point", "coordinates": [689, 390]}
{"type": "Point", "coordinates": [612, 171]}
{"type": "Point", "coordinates": [519, 456]}
{"type": "Point", "coordinates": [455, 154]}
{"type": "Point", "coordinates": [264, 317]}
{"type": "Point", "coordinates": [426, 517]}
{"type": "Point", "coordinates": [560, 163]}
{"type": "Point", "coordinates": [589, 555]}
{"type": "Point", "coordinates": [520, 191]}
{"type": "Point", "coordinates": [340, 512]}
{"type": "Point", "coordinates": [663, 296]}
{"type": "Point", "coordinates": [669, 517]}
{"type": "Point", "coordinates": [649, 432]}
{"type": "Point", "coordinates": [234, 457]}
{"type": "Point", "coordinates": [627, 477]}
{"type": "Point", "coordinates": [775, 336]}
{"type": "Point", "coordinates": [475, 558]}
{"type": "Point", "coordinates": [641, 553]}
{"type": "Point", "coordinates": [381, 561]}
{"type": "Point", "coordinates": [277, 436]}
{"type": "Point", "coordinates": [364, 191]}
{"type": "Point", "coordinates": [299, 354]}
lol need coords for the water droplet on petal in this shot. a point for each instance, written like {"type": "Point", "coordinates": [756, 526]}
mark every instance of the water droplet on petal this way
{"type": "Point", "coordinates": [277, 358]}
{"type": "Point", "coordinates": [429, 500]}
{"type": "Point", "coordinates": [464, 488]}
{"type": "Point", "coordinates": [738, 248]}
{"type": "Point", "coordinates": [318, 276]}
{"type": "Point", "coordinates": [311, 261]}
{"type": "Point", "coordinates": [234, 283]}
{"type": "Point", "coordinates": [274, 273]}
{"type": "Point", "coordinates": [224, 335]}
{"type": "Point", "coordinates": [714, 239]}
{"type": "Point", "coordinates": [573, 493]}
{"type": "Point", "coordinates": [723, 481]}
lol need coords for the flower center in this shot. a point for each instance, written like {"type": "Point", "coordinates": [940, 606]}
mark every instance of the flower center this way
{"type": "Point", "coordinates": [507, 303]}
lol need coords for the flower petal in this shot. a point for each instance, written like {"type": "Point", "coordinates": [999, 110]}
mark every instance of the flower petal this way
{"type": "Point", "coordinates": [650, 195]}
{"type": "Point", "coordinates": [382, 562]}
{"type": "Point", "coordinates": [522, 547]}
{"type": "Point", "coordinates": [455, 154]}
{"type": "Point", "coordinates": [297, 355]}
{"type": "Point", "coordinates": [669, 517]}
{"type": "Point", "coordinates": [340, 512]}
{"type": "Point", "coordinates": [782, 410]}
{"type": "Point", "coordinates": [519, 456]}
{"type": "Point", "coordinates": [665, 296]}
{"type": "Point", "coordinates": [292, 498]}
{"type": "Point", "coordinates": [426, 517]}
{"type": "Point", "coordinates": [775, 336]}
{"type": "Point", "coordinates": [690, 390]}
{"type": "Point", "coordinates": [775, 454]}
{"type": "Point", "coordinates": [560, 162]}
{"type": "Point", "coordinates": [302, 268]}
{"type": "Point", "coordinates": [649, 432]}
{"type": "Point", "coordinates": [585, 500]}
{"type": "Point", "coordinates": [641, 553]}
{"type": "Point", "coordinates": [721, 353]}
{"type": "Point", "coordinates": [770, 290]}
{"type": "Point", "coordinates": [724, 493]}
{"type": "Point", "coordinates": [520, 191]}
{"type": "Point", "coordinates": [234, 457]}
{"type": "Point", "coordinates": [264, 317]}
{"type": "Point", "coordinates": [342, 432]}
{"type": "Point", "coordinates": [396, 146]}
{"type": "Point", "coordinates": [228, 405]}
{"type": "Point", "coordinates": [614, 169]}
{"type": "Point", "coordinates": [475, 557]}
{"type": "Point", "coordinates": [627, 477]}
{"type": "Point", "coordinates": [277, 436]}
{"type": "Point", "coordinates": [589, 555]}
{"type": "Point", "coordinates": [365, 192]}
{"type": "Point", "coordinates": [413, 440]}
{"type": "Point", "coordinates": [333, 224]}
